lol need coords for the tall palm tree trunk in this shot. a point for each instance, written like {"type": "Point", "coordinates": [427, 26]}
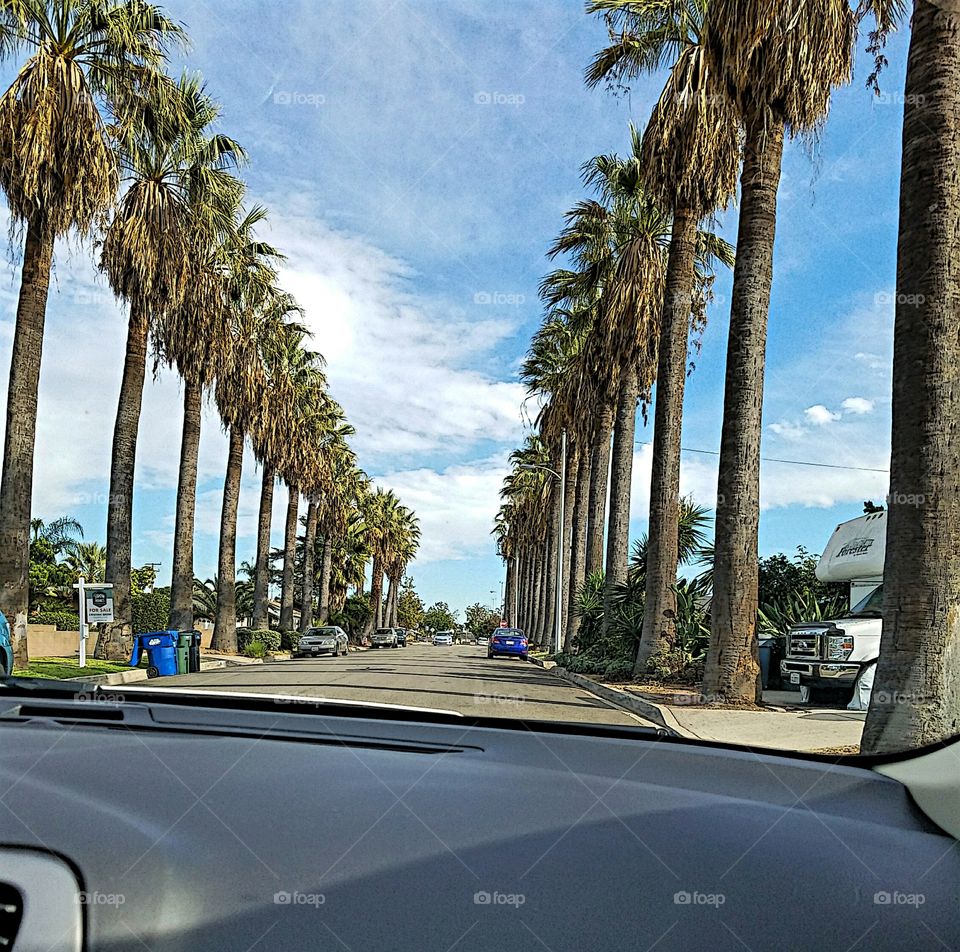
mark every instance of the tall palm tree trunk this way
{"type": "Point", "coordinates": [326, 569]}
{"type": "Point", "coordinates": [309, 546]}
{"type": "Point", "coordinates": [578, 538]}
{"type": "Point", "coordinates": [225, 624]}
{"type": "Point", "coordinates": [569, 504]}
{"type": "Point", "coordinates": [539, 593]}
{"type": "Point", "coordinates": [550, 569]}
{"type": "Point", "coordinates": [117, 639]}
{"type": "Point", "coordinates": [508, 608]}
{"type": "Point", "coordinates": [391, 596]}
{"type": "Point", "coordinates": [376, 596]}
{"type": "Point", "coordinates": [599, 473]}
{"type": "Point", "coordinates": [261, 571]}
{"type": "Point", "coordinates": [289, 556]}
{"type": "Point", "coordinates": [660, 602]}
{"type": "Point", "coordinates": [520, 609]}
{"type": "Point", "coordinates": [181, 586]}
{"type": "Point", "coordinates": [527, 615]}
{"type": "Point", "coordinates": [921, 579]}
{"type": "Point", "coordinates": [732, 669]}
{"type": "Point", "coordinates": [16, 490]}
{"type": "Point", "coordinates": [621, 474]}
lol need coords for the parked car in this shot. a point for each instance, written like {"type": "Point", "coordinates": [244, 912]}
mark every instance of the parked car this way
{"type": "Point", "coordinates": [443, 638]}
{"type": "Point", "coordinates": [401, 638]}
{"type": "Point", "coordinates": [318, 641]}
{"type": "Point", "coordinates": [384, 638]}
{"type": "Point", "coordinates": [6, 648]}
{"type": "Point", "coordinates": [507, 641]}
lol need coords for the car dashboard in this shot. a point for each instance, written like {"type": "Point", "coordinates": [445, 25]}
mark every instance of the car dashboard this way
{"type": "Point", "coordinates": [133, 822]}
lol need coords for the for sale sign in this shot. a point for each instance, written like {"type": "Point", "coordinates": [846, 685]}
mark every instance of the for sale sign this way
{"type": "Point", "coordinates": [99, 604]}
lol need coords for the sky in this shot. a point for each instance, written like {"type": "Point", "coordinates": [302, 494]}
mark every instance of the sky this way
{"type": "Point", "coordinates": [417, 158]}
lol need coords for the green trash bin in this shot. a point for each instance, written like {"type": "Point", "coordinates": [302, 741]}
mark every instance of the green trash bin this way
{"type": "Point", "coordinates": [183, 652]}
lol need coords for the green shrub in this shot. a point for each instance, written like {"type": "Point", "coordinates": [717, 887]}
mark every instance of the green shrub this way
{"type": "Point", "coordinates": [618, 671]}
{"type": "Point", "coordinates": [65, 621]}
{"type": "Point", "coordinates": [254, 649]}
{"type": "Point", "coordinates": [151, 611]}
{"type": "Point", "coordinates": [269, 639]}
{"type": "Point", "coordinates": [289, 640]}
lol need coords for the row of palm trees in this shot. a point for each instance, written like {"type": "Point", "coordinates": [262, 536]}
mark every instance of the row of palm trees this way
{"type": "Point", "coordinates": [97, 140]}
{"type": "Point", "coordinates": [741, 78]}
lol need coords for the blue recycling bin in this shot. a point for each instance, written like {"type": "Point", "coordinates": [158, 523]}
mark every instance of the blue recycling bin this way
{"type": "Point", "coordinates": [161, 649]}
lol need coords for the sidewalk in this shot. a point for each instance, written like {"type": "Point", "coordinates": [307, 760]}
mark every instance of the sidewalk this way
{"type": "Point", "coordinates": [783, 724]}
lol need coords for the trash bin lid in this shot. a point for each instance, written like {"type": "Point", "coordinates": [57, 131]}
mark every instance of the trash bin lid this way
{"type": "Point", "coordinates": [158, 639]}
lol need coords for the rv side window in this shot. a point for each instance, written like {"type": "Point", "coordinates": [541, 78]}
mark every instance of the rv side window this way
{"type": "Point", "coordinates": [871, 605]}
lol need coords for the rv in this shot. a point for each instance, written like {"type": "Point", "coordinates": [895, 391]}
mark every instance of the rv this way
{"type": "Point", "coordinates": [830, 660]}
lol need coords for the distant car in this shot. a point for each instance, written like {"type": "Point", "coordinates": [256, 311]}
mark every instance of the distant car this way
{"type": "Point", "coordinates": [6, 648]}
{"type": "Point", "coordinates": [443, 638]}
{"type": "Point", "coordinates": [480, 640]}
{"type": "Point", "coordinates": [507, 641]}
{"type": "Point", "coordinates": [401, 638]}
{"type": "Point", "coordinates": [317, 641]}
{"type": "Point", "coordinates": [384, 638]}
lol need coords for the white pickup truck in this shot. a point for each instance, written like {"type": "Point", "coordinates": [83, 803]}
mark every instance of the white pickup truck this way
{"type": "Point", "coordinates": [827, 659]}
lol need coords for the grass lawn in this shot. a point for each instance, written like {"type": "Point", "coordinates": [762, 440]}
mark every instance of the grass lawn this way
{"type": "Point", "coordinates": [67, 668]}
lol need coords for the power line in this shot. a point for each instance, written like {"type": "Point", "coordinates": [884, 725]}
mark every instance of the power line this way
{"type": "Point", "coordinates": [774, 459]}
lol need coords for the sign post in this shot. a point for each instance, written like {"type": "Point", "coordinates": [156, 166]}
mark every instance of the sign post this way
{"type": "Point", "coordinates": [96, 606]}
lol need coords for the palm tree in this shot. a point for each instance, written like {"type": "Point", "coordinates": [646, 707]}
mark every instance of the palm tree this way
{"type": "Point", "coordinates": [260, 327]}
{"type": "Point", "coordinates": [194, 336]}
{"type": "Point", "coordinates": [381, 512]}
{"type": "Point", "coordinates": [522, 527]}
{"type": "Point", "coordinates": [59, 174]}
{"type": "Point", "coordinates": [300, 402]}
{"type": "Point", "coordinates": [690, 153]}
{"type": "Point", "coordinates": [60, 533]}
{"type": "Point", "coordinates": [176, 184]}
{"type": "Point", "coordinates": [778, 62]}
{"type": "Point", "coordinates": [404, 540]}
{"type": "Point", "coordinates": [88, 559]}
{"type": "Point", "coordinates": [921, 582]}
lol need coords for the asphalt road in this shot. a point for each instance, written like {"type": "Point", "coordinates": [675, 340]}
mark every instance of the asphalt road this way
{"type": "Point", "coordinates": [458, 678]}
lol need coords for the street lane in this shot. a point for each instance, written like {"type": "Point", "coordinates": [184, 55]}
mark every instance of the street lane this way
{"type": "Point", "coordinates": [458, 678]}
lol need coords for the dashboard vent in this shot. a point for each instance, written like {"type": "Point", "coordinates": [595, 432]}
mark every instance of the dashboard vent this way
{"type": "Point", "coordinates": [11, 912]}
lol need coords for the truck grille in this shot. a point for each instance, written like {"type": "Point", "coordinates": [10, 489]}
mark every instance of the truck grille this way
{"type": "Point", "coordinates": [805, 644]}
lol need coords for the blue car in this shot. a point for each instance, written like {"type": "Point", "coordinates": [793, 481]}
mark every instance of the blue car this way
{"type": "Point", "coordinates": [6, 648]}
{"type": "Point", "coordinates": [507, 641]}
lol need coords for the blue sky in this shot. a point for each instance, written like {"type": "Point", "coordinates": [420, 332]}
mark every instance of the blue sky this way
{"type": "Point", "coordinates": [417, 158]}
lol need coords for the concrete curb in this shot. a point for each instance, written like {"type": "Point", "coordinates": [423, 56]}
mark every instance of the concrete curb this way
{"type": "Point", "coordinates": [628, 702]}
{"type": "Point", "coordinates": [136, 674]}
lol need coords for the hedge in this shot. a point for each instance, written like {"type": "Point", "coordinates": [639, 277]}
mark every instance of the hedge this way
{"type": "Point", "coordinates": [151, 611]}
{"type": "Point", "coordinates": [65, 621]}
{"type": "Point", "coordinates": [269, 639]}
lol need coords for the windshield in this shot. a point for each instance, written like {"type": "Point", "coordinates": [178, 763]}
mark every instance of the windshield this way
{"type": "Point", "coordinates": [869, 607]}
{"type": "Point", "coordinates": [385, 346]}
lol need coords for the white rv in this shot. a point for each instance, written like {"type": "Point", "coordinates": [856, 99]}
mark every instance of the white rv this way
{"type": "Point", "coordinates": [828, 658]}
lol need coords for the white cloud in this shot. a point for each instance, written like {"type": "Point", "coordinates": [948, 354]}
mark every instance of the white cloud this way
{"type": "Point", "coordinates": [858, 405]}
{"type": "Point", "coordinates": [456, 506]}
{"type": "Point", "coordinates": [819, 415]}
{"type": "Point", "coordinates": [788, 431]}
{"type": "Point", "coordinates": [408, 369]}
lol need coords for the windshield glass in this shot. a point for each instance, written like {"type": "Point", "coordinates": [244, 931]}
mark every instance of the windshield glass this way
{"type": "Point", "coordinates": [384, 342]}
{"type": "Point", "coordinates": [871, 606]}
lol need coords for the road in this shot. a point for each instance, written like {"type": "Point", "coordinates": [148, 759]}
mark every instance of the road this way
{"type": "Point", "coordinates": [458, 678]}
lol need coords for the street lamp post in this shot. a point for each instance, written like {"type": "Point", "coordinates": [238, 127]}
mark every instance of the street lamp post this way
{"type": "Point", "coordinates": [562, 476]}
